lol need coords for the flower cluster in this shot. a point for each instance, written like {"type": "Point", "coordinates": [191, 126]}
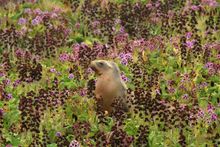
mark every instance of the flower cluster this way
{"type": "Point", "coordinates": [168, 52]}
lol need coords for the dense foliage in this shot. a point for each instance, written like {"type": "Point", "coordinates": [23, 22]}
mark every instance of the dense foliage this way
{"type": "Point", "coordinates": [168, 52]}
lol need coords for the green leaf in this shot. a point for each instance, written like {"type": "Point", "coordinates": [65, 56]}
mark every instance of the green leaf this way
{"type": "Point", "coordinates": [15, 141]}
{"type": "Point", "coordinates": [52, 145]}
{"type": "Point", "coordinates": [17, 15]}
{"type": "Point", "coordinates": [131, 127]}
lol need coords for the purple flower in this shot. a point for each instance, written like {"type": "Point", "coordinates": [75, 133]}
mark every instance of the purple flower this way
{"type": "Point", "coordinates": [74, 143]}
{"type": "Point", "coordinates": [23, 31]}
{"type": "Point", "coordinates": [16, 83]}
{"type": "Point", "coordinates": [53, 70]}
{"type": "Point", "coordinates": [218, 56]}
{"type": "Point", "coordinates": [125, 57]}
{"type": "Point", "coordinates": [9, 96]}
{"type": "Point", "coordinates": [77, 25]}
{"type": "Point", "coordinates": [122, 30]}
{"type": "Point", "coordinates": [32, 1]}
{"type": "Point", "coordinates": [76, 47]}
{"type": "Point", "coordinates": [214, 117]}
{"type": "Point", "coordinates": [211, 3]}
{"type": "Point", "coordinates": [71, 76]}
{"type": "Point", "coordinates": [188, 35]}
{"type": "Point", "coordinates": [117, 21]}
{"type": "Point", "coordinates": [157, 4]}
{"type": "Point", "coordinates": [194, 7]}
{"type": "Point", "coordinates": [149, 6]}
{"type": "Point", "coordinates": [89, 71]}
{"type": "Point", "coordinates": [57, 10]}
{"type": "Point", "coordinates": [19, 53]}
{"type": "Point", "coordinates": [124, 78]}
{"type": "Point", "coordinates": [202, 85]}
{"type": "Point", "coordinates": [1, 112]}
{"type": "Point", "coordinates": [22, 21]}
{"type": "Point", "coordinates": [158, 91]}
{"type": "Point", "coordinates": [37, 20]}
{"type": "Point", "coordinates": [209, 65]}
{"type": "Point", "coordinates": [95, 24]}
{"type": "Point", "coordinates": [59, 73]}
{"type": "Point", "coordinates": [201, 113]}
{"type": "Point", "coordinates": [185, 78]}
{"type": "Point", "coordinates": [64, 57]}
{"type": "Point", "coordinates": [1, 74]}
{"type": "Point", "coordinates": [190, 44]}
{"type": "Point", "coordinates": [27, 11]}
{"type": "Point", "coordinates": [185, 96]}
{"type": "Point", "coordinates": [67, 31]}
{"type": "Point", "coordinates": [8, 145]}
{"type": "Point", "coordinates": [171, 90]}
{"type": "Point", "coordinates": [170, 82]}
{"type": "Point", "coordinates": [82, 92]}
{"type": "Point", "coordinates": [7, 81]}
{"type": "Point", "coordinates": [171, 13]}
{"type": "Point", "coordinates": [38, 11]}
{"type": "Point", "coordinates": [58, 134]}
{"type": "Point", "coordinates": [210, 109]}
{"type": "Point", "coordinates": [97, 31]}
{"type": "Point", "coordinates": [53, 15]}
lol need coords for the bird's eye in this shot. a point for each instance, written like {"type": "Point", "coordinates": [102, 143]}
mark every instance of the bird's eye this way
{"type": "Point", "coordinates": [101, 63]}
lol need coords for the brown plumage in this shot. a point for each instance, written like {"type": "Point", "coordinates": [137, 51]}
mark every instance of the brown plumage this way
{"type": "Point", "coordinates": [109, 85]}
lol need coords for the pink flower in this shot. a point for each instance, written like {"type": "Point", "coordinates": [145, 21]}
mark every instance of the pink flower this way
{"type": "Point", "coordinates": [149, 6]}
{"type": "Point", "coordinates": [38, 11]}
{"type": "Point", "coordinates": [9, 96]}
{"type": "Point", "coordinates": [53, 70]}
{"type": "Point", "coordinates": [57, 10]}
{"type": "Point", "coordinates": [23, 31]}
{"type": "Point", "coordinates": [71, 76]}
{"type": "Point", "coordinates": [74, 143]}
{"type": "Point", "coordinates": [185, 96]}
{"type": "Point", "coordinates": [158, 91]}
{"type": "Point", "coordinates": [37, 20]}
{"type": "Point", "coordinates": [19, 53]}
{"type": "Point", "coordinates": [58, 134]}
{"type": "Point", "coordinates": [201, 113]}
{"type": "Point", "coordinates": [22, 21]}
{"type": "Point", "coordinates": [77, 25]}
{"type": "Point", "coordinates": [188, 35]}
{"type": "Point", "coordinates": [1, 111]}
{"type": "Point", "coordinates": [210, 109]}
{"type": "Point", "coordinates": [95, 24]}
{"type": "Point", "coordinates": [211, 3]}
{"type": "Point", "coordinates": [16, 83]}
{"type": "Point", "coordinates": [214, 117]}
{"type": "Point", "coordinates": [97, 32]}
{"type": "Point", "coordinates": [171, 90]}
{"type": "Point", "coordinates": [32, 1]}
{"type": "Point", "coordinates": [64, 57]}
{"type": "Point", "coordinates": [190, 44]}
{"type": "Point", "coordinates": [27, 11]}
{"type": "Point", "coordinates": [117, 21]}
{"type": "Point", "coordinates": [53, 15]}
{"type": "Point", "coordinates": [125, 58]}
{"type": "Point", "coordinates": [82, 92]}
{"type": "Point", "coordinates": [124, 78]}
{"type": "Point", "coordinates": [7, 81]}
{"type": "Point", "coordinates": [194, 7]}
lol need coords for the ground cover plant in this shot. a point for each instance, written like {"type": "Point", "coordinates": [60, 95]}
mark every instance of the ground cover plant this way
{"type": "Point", "coordinates": [168, 52]}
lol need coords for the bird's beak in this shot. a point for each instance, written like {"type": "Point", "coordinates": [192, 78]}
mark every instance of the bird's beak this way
{"type": "Point", "coordinates": [93, 67]}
